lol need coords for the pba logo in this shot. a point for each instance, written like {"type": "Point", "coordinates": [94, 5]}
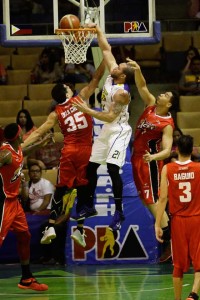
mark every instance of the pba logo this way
{"type": "Point", "coordinates": [106, 245]}
{"type": "Point", "coordinates": [134, 26]}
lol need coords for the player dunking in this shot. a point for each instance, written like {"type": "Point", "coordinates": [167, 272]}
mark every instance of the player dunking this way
{"type": "Point", "coordinates": [152, 144]}
{"type": "Point", "coordinates": [180, 186]}
{"type": "Point", "coordinates": [77, 130]}
{"type": "Point", "coordinates": [110, 146]}
{"type": "Point", "coordinates": [12, 216]}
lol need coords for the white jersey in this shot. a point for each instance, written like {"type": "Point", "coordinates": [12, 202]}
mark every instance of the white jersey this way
{"type": "Point", "coordinates": [111, 144]}
{"type": "Point", "coordinates": [109, 89]}
{"type": "Point", "coordinates": [37, 191]}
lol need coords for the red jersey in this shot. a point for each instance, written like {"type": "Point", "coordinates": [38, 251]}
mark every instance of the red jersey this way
{"type": "Point", "coordinates": [184, 188]}
{"type": "Point", "coordinates": [148, 134]}
{"type": "Point", "coordinates": [76, 126]}
{"type": "Point", "coordinates": [10, 174]}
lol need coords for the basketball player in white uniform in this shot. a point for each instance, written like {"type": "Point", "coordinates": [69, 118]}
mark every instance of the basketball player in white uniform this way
{"type": "Point", "coordinates": [110, 146]}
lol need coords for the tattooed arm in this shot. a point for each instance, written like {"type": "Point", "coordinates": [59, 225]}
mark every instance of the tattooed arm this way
{"type": "Point", "coordinates": [120, 99]}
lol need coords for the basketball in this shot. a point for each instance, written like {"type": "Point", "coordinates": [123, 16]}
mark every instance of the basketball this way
{"type": "Point", "coordinates": [69, 22]}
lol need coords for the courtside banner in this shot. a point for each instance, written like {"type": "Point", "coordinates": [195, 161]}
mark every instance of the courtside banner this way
{"type": "Point", "coordinates": [134, 243]}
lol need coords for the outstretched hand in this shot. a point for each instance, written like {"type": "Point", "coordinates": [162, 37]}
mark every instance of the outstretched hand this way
{"type": "Point", "coordinates": [132, 63]}
{"type": "Point", "coordinates": [80, 104]}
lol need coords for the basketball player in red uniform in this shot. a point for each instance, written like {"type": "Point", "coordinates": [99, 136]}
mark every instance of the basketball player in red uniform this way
{"type": "Point", "coordinates": [77, 130]}
{"type": "Point", "coordinates": [12, 216]}
{"type": "Point", "coordinates": [152, 144]}
{"type": "Point", "coordinates": [180, 186]}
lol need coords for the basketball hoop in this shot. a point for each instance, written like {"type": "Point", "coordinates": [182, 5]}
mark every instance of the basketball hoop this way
{"type": "Point", "coordinates": [76, 43]}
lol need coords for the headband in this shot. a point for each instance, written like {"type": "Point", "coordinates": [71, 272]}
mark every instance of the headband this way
{"type": "Point", "coordinates": [16, 135]}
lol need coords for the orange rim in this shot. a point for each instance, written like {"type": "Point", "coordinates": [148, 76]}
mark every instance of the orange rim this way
{"type": "Point", "coordinates": [59, 31]}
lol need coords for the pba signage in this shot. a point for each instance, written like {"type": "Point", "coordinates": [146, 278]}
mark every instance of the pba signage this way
{"type": "Point", "coordinates": [134, 243]}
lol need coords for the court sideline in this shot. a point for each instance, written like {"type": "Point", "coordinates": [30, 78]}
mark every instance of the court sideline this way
{"type": "Point", "coordinates": [92, 282]}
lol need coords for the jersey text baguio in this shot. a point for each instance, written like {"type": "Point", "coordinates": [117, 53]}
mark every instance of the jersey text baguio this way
{"type": "Point", "coordinates": [10, 177]}
{"type": "Point", "coordinates": [184, 188]}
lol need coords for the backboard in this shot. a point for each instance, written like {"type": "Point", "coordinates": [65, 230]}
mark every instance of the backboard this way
{"type": "Point", "coordinates": [123, 21]}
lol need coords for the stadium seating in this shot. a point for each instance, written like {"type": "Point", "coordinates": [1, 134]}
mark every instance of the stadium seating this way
{"type": "Point", "coordinates": [188, 119]}
{"type": "Point", "coordinates": [19, 77]}
{"type": "Point", "coordinates": [5, 60]}
{"type": "Point", "coordinates": [23, 62]}
{"type": "Point", "coordinates": [189, 103]}
{"type": "Point", "coordinates": [10, 108]}
{"type": "Point", "coordinates": [40, 91]}
{"type": "Point", "coordinates": [195, 133]}
{"type": "Point", "coordinates": [29, 50]}
{"type": "Point", "coordinates": [37, 108]}
{"type": "Point", "coordinates": [13, 92]}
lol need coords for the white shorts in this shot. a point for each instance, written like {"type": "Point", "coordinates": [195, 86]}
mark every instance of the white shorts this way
{"type": "Point", "coordinates": [111, 144]}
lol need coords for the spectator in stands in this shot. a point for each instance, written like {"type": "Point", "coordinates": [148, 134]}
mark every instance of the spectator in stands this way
{"type": "Point", "coordinates": [3, 75]}
{"type": "Point", "coordinates": [189, 83]}
{"type": "Point", "coordinates": [26, 123]}
{"type": "Point", "coordinates": [77, 73]}
{"type": "Point", "coordinates": [37, 193]}
{"type": "Point", "coordinates": [48, 156]}
{"type": "Point", "coordinates": [48, 69]}
{"type": "Point", "coordinates": [194, 8]}
{"type": "Point", "coordinates": [190, 53]}
{"type": "Point", "coordinates": [174, 154]}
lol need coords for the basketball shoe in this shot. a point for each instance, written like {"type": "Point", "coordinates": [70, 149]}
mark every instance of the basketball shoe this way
{"type": "Point", "coordinates": [86, 212]}
{"type": "Point", "coordinates": [32, 284]}
{"type": "Point", "coordinates": [192, 296]}
{"type": "Point", "coordinates": [48, 235]}
{"type": "Point", "coordinates": [79, 238]}
{"type": "Point", "coordinates": [117, 220]}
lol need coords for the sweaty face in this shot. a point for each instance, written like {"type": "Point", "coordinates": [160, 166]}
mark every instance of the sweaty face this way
{"type": "Point", "coordinates": [164, 99]}
{"type": "Point", "coordinates": [69, 92]}
{"type": "Point", "coordinates": [116, 72]}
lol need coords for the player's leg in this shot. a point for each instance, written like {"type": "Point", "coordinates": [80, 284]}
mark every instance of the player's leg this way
{"type": "Point", "coordinates": [85, 203]}
{"type": "Point", "coordinates": [117, 186]}
{"type": "Point", "coordinates": [20, 228]}
{"type": "Point", "coordinates": [85, 194]}
{"type": "Point", "coordinates": [194, 250]}
{"type": "Point", "coordinates": [195, 288]}
{"type": "Point", "coordinates": [56, 209]}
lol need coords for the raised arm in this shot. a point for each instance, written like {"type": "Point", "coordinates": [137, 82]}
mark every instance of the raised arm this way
{"type": "Point", "coordinates": [167, 140]}
{"type": "Point", "coordinates": [88, 90]}
{"type": "Point", "coordinates": [141, 85]}
{"type": "Point", "coordinates": [162, 202]}
{"type": "Point", "coordinates": [120, 99]}
{"type": "Point", "coordinates": [109, 58]}
{"type": "Point", "coordinates": [43, 129]}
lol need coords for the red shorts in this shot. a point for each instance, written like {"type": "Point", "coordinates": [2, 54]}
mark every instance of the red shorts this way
{"type": "Point", "coordinates": [185, 235]}
{"type": "Point", "coordinates": [13, 218]}
{"type": "Point", "coordinates": [147, 178]}
{"type": "Point", "coordinates": [73, 164]}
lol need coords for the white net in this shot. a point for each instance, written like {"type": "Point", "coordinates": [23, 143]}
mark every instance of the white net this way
{"type": "Point", "coordinates": [75, 43]}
